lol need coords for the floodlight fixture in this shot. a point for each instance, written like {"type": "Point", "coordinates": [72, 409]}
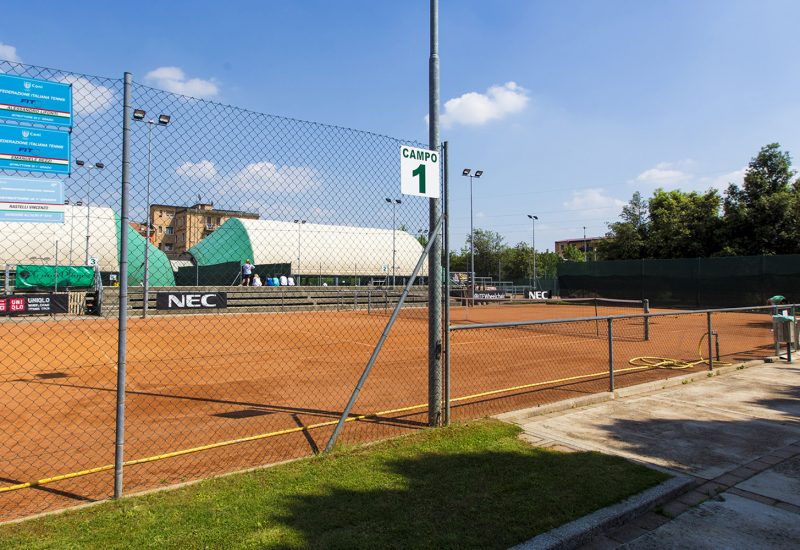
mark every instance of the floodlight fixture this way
{"type": "Point", "coordinates": [533, 217]}
{"type": "Point", "coordinates": [80, 162]}
{"type": "Point", "coordinates": [99, 165]}
{"type": "Point", "coordinates": [466, 172]}
{"type": "Point", "coordinates": [163, 119]}
{"type": "Point", "coordinates": [478, 173]}
{"type": "Point", "coordinates": [139, 114]}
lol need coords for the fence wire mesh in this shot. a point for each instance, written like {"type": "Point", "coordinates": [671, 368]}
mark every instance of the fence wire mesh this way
{"type": "Point", "coordinates": [265, 257]}
{"type": "Point", "coordinates": [314, 209]}
{"type": "Point", "coordinates": [522, 363]}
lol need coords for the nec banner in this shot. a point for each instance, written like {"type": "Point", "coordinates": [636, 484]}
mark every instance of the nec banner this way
{"type": "Point", "coordinates": [191, 300]}
{"type": "Point", "coordinates": [34, 304]}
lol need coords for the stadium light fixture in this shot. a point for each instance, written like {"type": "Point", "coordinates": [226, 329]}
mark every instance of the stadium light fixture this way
{"type": "Point", "coordinates": [80, 162]}
{"type": "Point", "coordinates": [478, 173]}
{"type": "Point", "coordinates": [162, 120]}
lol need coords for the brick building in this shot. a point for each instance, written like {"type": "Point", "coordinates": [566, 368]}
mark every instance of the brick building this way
{"type": "Point", "coordinates": [584, 245]}
{"type": "Point", "coordinates": [175, 229]}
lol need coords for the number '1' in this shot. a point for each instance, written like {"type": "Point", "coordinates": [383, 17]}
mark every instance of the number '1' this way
{"type": "Point", "coordinates": [420, 171]}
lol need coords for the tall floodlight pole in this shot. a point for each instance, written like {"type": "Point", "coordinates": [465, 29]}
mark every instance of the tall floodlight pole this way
{"type": "Point", "coordinates": [299, 225]}
{"type": "Point", "coordinates": [435, 253]}
{"type": "Point", "coordinates": [585, 255]}
{"type": "Point", "coordinates": [162, 120]}
{"type": "Point", "coordinates": [533, 246]}
{"type": "Point", "coordinates": [394, 203]}
{"type": "Point", "coordinates": [468, 173]}
{"type": "Point", "coordinates": [90, 166]}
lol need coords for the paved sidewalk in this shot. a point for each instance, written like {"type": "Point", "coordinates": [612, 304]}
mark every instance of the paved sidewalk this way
{"type": "Point", "coordinates": [737, 435]}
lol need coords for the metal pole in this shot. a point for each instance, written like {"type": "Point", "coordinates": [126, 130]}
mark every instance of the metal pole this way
{"type": "Point", "coordinates": [610, 357]}
{"type": "Point", "coordinates": [88, 215]}
{"type": "Point", "coordinates": [585, 255]}
{"type": "Point", "coordinates": [434, 230]}
{"type": "Point", "coordinates": [394, 245]}
{"type": "Point", "coordinates": [446, 229]}
{"type": "Point", "coordinates": [533, 245]}
{"type": "Point", "coordinates": [471, 245]}
{"type": "Point", "coordinates": [375, 352]}
{"type": "Point", "coordinates": [710, 344]}
{"type": "Point", "coordinates": [646, 308]}
{"type": "Point", "coordinates": [147, 244]}
{"type": "Point", "coordinates": [119, 439]}
{"type": "Point", "coordinates": [56, 274]}
{"type": "Point", "coordinates": [71, 230]}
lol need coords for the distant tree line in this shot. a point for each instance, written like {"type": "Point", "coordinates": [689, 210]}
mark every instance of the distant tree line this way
{"type": "Point", "coordinates": [494, 258]}
{"type": "Point", "coordinates": [760, 218]}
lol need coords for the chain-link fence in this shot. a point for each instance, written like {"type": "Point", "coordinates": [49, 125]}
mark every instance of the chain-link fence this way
{"type": "Point", "coordinates": [265, 259]}
{"type": "Point", "coordinates": [263, 255]}
{"type": "Point", "coordinates": [514, 364]}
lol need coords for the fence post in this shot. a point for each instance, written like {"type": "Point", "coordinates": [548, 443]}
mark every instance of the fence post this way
{"type": "Point", "coordinates": [610, 356]}
{"type": "Point", "coordinates": [119, 437]}
{"type": "Point", "coordinates": [646, 320]}
{"type": "Point", "coordinates": [446, 239]}
{"type": "Point", "coordinates": [369, 300]}
{"type": "Point", "coordinates": [710, 343]}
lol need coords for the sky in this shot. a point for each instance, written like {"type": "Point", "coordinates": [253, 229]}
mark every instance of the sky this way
{"type": "Point", "coordinates": [568, 107]}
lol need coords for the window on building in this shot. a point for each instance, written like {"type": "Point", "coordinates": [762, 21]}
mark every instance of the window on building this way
{"type": "Point", "coordinates": [170, 230]}
{"type": "Point", "coordinates": [209, 220]}
{"type": "Point", "coordinates": [160, 229]}
{"type": "Point", "coordinates": [167, 248]}
{"type": "Point", "coordinates": [218, 220]}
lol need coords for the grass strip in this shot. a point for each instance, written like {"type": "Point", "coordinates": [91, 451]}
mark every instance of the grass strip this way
{"type": "Point", "coordinates": [474, 485]}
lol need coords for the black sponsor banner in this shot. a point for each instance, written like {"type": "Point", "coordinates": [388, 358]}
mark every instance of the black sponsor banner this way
{"type": "Point", "coordinates": [34, 304]}
{"type": "Point", "coordinates": [487, 295]}
{"type": "Point", "coordinates": [191, 300]}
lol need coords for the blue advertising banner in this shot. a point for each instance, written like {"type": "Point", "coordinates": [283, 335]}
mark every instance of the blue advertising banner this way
{"type": "Point", "coordinates": [31, 200]}
{"type": "Point", "coordinates": [34, 149]}
{"type": "Point", "coordinates": [33, 100]}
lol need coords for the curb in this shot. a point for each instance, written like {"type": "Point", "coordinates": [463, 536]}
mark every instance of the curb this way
{"type": "Point", "coordinates": [581, 531]}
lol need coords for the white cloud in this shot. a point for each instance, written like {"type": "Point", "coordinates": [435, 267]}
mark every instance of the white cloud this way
{"type": "Point", "coordinates": [89, 98]}
{"type": "Point", "coordinates": [267, 177]}
{"type": "Point", "coordinates": [9, 53]}
{"type": "Point", "coordinates": [173, 79]}
{"type": "Point", "coordinates": [663, 174]}
{"type": "Point", "coordinates": [595, 203]}
{"type": "Point", "coordinates": [475, 109]}
{"type": "Point", "coordinates": [203, 170]}
{"type": "Point", "coordinates": [721, 182]}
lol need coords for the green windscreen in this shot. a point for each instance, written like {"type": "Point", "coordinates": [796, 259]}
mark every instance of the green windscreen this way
{"type": "Point", "coordinates": [49, 277]}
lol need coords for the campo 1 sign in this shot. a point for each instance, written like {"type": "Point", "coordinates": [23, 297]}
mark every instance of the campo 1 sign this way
{"type": "Point", "coordinates": [419, 172]}
{"type": "Point", "coordinates": [191, 300]}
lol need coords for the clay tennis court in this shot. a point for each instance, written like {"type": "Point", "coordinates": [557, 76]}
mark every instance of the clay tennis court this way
{"type": "Point", "coordinates": [203, 379]}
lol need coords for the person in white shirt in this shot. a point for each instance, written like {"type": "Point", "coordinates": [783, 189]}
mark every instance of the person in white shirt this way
{"type": "Point", "coordinates": [247, 273]}
{"type": "Point", "coordinates": [284, 281]}
{"type": "Point", "coordinates": [256, 280]}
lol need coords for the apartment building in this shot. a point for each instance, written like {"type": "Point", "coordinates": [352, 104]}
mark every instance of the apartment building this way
{"type": "Point", "coordinates": [175, 229]}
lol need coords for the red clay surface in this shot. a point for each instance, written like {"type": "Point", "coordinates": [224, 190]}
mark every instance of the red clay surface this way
{"type": "Point", "coordinates": [195, 380]}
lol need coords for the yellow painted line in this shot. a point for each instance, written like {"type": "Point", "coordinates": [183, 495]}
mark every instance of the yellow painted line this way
{"type": "Point", "coordinates": [210, 446]}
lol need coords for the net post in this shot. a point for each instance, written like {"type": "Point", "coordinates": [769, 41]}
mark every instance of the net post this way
{"type": "Point", "coordinates": [610, 356]}
{"type": "Point", "coordinates": [646, 310]}
{"type": "Point", "coordinates": [710, 343]}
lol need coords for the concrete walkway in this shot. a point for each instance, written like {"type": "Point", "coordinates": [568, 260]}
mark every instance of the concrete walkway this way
{"type": "Point", "coordinates": [737, 435]}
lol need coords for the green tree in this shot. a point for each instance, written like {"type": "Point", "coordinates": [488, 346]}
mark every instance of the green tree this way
{"type": "Point", "coordinates": [572, 253]}
{"type": "Point", "coordinates": [684, 225]}
{"type": "Point", "coordinates": [761, 217]}
{"type": "Point", "coordinates": [626, 238]}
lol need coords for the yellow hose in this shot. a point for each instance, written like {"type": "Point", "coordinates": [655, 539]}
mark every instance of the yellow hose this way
{"type": "Point", "coordinates": [655, 362]}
